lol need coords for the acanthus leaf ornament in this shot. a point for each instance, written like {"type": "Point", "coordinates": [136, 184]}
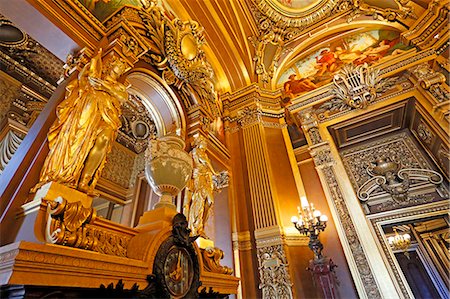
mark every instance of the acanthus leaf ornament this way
{"type": "Point", "coordinates": [211, 261]}
{"type": "Point", "coordinates": [179, 55]}
{"type": "Point", "coordinates": [274, 272]}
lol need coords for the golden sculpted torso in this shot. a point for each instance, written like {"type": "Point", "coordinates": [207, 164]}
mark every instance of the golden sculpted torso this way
{"type": "Point", "coordinates": [86, 125]}
{"type": "Point", "coordinates": [199, 192]}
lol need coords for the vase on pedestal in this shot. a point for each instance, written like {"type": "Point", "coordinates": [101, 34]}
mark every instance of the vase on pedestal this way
{"type": "Point", "coordinates": [168, 167]}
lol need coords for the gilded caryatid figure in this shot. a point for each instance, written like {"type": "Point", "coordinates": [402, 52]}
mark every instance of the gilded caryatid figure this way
{"type": "Point", "coordinates": [87, 122]}
{"type": "Point", "coordinates": [199, 191]}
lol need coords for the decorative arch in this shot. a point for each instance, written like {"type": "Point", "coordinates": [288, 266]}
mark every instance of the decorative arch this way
{"type": "Point", "coordinates": [159, 99]}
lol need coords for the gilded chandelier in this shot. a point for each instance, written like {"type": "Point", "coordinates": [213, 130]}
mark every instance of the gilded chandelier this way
{"type": "Point", "coordinates": [310, 222]}
{"type": "Point", "coordinates": [400, 241]}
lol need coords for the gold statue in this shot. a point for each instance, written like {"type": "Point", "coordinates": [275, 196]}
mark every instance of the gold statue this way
{"type": "Point", "coordinates": [199, 191]}
{"type": "Point", "coordinates": [86, 126]}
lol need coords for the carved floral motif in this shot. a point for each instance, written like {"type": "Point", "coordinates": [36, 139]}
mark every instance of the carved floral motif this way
{"type": "Point", "coordinates": [249, 116]}
{"type": "Point", "coordinates": [274, 272]}
{"type": "Point", "coordinates": [72, 224]}
{"type": "Point", "coordinates": [424, 133]}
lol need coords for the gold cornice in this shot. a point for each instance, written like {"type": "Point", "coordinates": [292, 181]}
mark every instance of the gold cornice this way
{"type": "Point", "coordinates": [72, 20]}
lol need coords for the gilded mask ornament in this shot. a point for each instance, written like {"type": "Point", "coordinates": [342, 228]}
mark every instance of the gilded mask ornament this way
{"type": "Point", "coordinates": [87, 125]}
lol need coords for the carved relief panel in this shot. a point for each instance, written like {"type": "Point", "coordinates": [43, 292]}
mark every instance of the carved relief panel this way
{"type": "Point", "coordinates": [391, 173]}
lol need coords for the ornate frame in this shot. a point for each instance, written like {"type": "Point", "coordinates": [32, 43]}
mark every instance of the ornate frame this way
{"type": "Point", "coordinates": [396, 216]}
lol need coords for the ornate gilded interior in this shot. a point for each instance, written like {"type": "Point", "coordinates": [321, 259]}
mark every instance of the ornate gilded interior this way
{"type": "Point", "coordinates": [117, 117]}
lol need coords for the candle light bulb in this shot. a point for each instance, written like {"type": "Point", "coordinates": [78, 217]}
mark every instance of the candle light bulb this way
{"type": "Point", "coordinates": [323, 218]}
{"type": "Point", "coordinates": [304, 201]}
{"type": "Point", "coordinates": [317, 213]}
{"type": "Point", "coordinates": [391, 240]}
{"type": "Point", "coordinates": [294, 219]}
{"type": "Point", "coordinates": [406, 236]}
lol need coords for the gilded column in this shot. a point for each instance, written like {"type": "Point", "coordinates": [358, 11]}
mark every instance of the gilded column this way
{"type": "Point", "coordinates": [275, 281]}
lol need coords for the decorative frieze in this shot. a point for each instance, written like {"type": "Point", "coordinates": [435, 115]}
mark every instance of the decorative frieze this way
{"type": "Point", "coordinates": [357, 251]}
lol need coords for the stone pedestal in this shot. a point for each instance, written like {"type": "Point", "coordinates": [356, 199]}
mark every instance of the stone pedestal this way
{"type": "Point", "coordinates": [324, 276]}
{"type": "Point", "coordinates": [34, 213]}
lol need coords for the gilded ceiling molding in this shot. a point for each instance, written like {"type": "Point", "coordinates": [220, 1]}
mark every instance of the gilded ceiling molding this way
{"type": "Point", "coordinates": [279, 25]}
{"type": "Point", "coordinates": [404, 10]}
{"type": "Point", "coordinates": [301, 19]}
{"type": "Point", "coordinates": [277, 28]}
{"type": "Point", "coordinates": [432, 23]}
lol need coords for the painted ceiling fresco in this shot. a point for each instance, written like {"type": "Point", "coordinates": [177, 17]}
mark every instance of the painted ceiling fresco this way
{"type": "Point", "coordinates": [298, 4]}
{"type": "Point", "coordinates": [102, 9]}
{"type": "Point", "coordinates": [316, 69]}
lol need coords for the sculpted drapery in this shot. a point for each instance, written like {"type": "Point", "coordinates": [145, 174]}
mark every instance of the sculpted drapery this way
{"type": "Point", "coordinates": [86, 125]}
{"type": "Point", "coordinates": [199, 192]}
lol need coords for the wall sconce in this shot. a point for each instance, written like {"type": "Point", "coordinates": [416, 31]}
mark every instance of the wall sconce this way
{"type": "Point", "coordinates": [311, 222]}
{"type": "Point", "coordinates": [400, 242]}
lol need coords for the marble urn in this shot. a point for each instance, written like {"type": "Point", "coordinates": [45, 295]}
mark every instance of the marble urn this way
{"type": "Point", "coordinates": [168, 167]}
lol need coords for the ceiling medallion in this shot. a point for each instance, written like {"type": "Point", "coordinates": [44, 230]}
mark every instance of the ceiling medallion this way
{"type": "Point", "coordinates": [10, 35]}
{"type": "Point", "coordinates": [296, 13]}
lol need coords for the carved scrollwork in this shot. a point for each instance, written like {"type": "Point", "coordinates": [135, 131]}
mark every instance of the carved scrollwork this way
{"type": "Point", "coordinates": [66, 224]}
{"type": "Point", "coordinates": [388, 174]}
{"type": "Point", "coordinates": [211, 261]}
{"type": "Point", "coordinates": [180, 56]}
{"type": "Point", "coordinates": [71, 224]}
